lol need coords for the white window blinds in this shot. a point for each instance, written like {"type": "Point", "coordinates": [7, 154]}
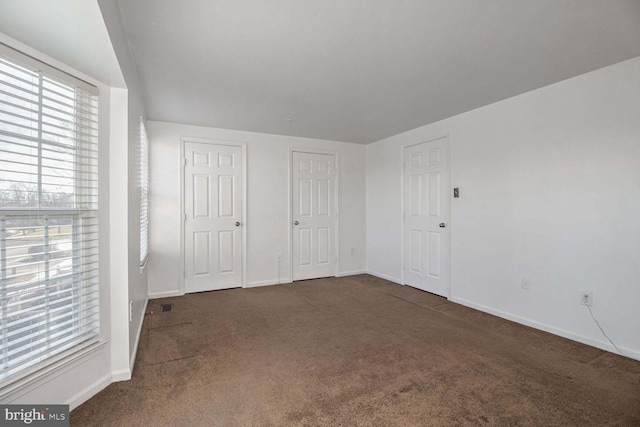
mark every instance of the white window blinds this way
{"type": "Point", "coordinates": [144, 192]}
{"type": "Point", "coordinates": [48, 212]}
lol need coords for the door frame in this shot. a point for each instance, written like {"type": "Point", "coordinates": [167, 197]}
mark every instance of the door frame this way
{"type": "Point", "coordinates": [243, 215]}
{"type": "Point", "coordinates": [403, 148]}
{"type": "Point", "coordinates": [335, 203]}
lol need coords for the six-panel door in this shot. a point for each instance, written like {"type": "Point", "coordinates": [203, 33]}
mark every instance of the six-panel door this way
{"type": "Point", "coordinates": [213, 214]}
{"type": "Point", "coordinates": [313, 215]}
{"type": "Point", "coordinates": [426, 216]}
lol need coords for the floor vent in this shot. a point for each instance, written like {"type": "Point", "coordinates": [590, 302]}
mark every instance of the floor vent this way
{"type": "Point", "coordinates": [165, 307]}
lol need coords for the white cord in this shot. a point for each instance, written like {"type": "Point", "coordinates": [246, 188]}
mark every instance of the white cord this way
{"type": "Point", "coordinates": [603, 332]}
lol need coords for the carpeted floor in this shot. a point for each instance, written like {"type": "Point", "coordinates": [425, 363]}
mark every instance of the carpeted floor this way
{"type": "Point", "coordinates": [357, 351]}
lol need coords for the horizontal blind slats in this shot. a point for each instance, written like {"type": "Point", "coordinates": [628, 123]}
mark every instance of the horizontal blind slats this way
{"type": "Point", "coordinates": [25, 298]}
{"type": "Point", "coordinates": [4, 94]}
{"type": "Point", "coordinates": [24, 312]}
{"type": "Point", "coordinates": [49, 144]}
{"type": "Point", "coordinates": [17, 345]}
{"type": "Point", "coordinates": [20, 90]}
{"type": "Point", "coordinates": [79, 316]}
{"type": "Point", "coordinates": [49, 286]}
{"type": "Point", "coordinates": [144, 192]}
{"type": "Point", "coordinates": [62, 345]}
{"type": "Point", "coordinates": [43, 321]}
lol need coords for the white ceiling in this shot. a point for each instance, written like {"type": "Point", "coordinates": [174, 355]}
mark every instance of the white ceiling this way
{"type": "Point", "coordinates": [361, 70]}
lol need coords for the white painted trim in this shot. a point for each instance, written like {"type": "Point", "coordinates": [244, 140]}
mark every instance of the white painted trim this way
{"type": "Point", "coordinates": [32, 63]}
{"type": "Point", "coordinates": [132, 361]}
{"type": "Point", "coordinates": [351, 273]}
{"type": "Point", "coordinates": [288, 279]}
{"type": "Point", "coordinates": [245, 229]}
{"type": "Point", "coordinates": [165, 294]}
{"type": "Point", "coordinates": [547, 328]}
{"type": "Point", "coordinates": [118, 303]}
{"type": "Point", "coordinates": [243, 215]}
{"type": "Point", "coordinates": [182, 221]}
{"type": "Point", "coordinates": [144, 263]}
{"type": "Point", "coordinates": [260, 283]}
{"type": "Point", "coordinates": [385, 277]}
{"type": "Point", "coordinates": [60, 364]}
{"type": "Point", "coordinates": [86, 394]}
{"type": "Point", "coordinates": [121, 375]}
{"type": "Point", "coordinates": [28, 50]}
{"type": "Point", "coordinates": [289, 214]}
{"type": "Point", "coordinates": [434, 137]}
{"type": "Point", "coordinates": [633, 354]}
{"type": "Point", "coordinates": [336, 197]}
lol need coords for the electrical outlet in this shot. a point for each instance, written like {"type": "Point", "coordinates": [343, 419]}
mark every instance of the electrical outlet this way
{"type": "Point", "coordinates": [586, 298]}
{"type": "Point", "coordinates": [526, 284]}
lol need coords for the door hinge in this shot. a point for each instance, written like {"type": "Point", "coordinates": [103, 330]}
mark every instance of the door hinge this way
{"type": "Point", "coordinates": [185, 217]}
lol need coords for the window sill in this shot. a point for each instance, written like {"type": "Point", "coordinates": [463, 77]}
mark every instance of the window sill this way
{"type": "Point", "coordinates": [13, 388]}
{"type": "Point", "coordinates": [144, 263]}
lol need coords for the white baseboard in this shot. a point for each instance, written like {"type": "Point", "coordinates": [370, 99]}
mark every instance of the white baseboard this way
{"type": "Point", "coordinates": [548, 328]}
{"type": "Point", "coordinates": [86, 394]}
{"type": "Point", "coordinates": [61, 364]}
{"type": "Point", "coordinates": [385, 277]}
{"type": "Point", "coordinates": [132, 361]}
{"type": "Point", "coordinates": [121, 375]}
{"type": "Point", "coordinates": [288, 280]}
{"type": "Point", "coordinates": [166, 294]}
{"type": "Point", "coordinates": [267, 282]}
{"type": "Point", "coordinates": [351, 273]}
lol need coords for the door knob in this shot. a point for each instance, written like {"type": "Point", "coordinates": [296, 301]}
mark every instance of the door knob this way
{"type": "Point", "coordinates": [237, 224]}
{"type": "Point", "coordinates": [295, 223]}
{"type": "Point", "coordinates": [443, 225]}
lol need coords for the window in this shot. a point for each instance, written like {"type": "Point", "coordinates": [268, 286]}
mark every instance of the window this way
{"type": "Point", "coordinates": [143, 183]}
{"type": "Point", "coordinates": [48, 213]}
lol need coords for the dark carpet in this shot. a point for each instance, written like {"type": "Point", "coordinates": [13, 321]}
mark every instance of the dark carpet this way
{"type": "Point", "coordinates": [357, 351]}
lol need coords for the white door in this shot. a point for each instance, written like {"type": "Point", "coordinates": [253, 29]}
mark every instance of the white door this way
{"type": "Point", "coordinates": [426, 216]}
{"type": "Point", "coordinates": [213, 211]}
{"type": "Point", "coordinates": [313, 216]}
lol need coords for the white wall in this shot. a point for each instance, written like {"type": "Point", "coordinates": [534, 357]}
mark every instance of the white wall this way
{"type": "Point", "coordinates": [550, 190]}
{"type": "Point", "coordinates": [126, 208]}
{"type": "Point", "coordinates": [118, 197]}
{"type": "Point", "coordinates": [267, 193]}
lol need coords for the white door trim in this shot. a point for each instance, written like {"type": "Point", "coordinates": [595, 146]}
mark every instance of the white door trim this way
{"type": "Point", "coordinates": [433, 137]}
{"type": "Point", "coordinates": [243, 215]}
{"type": "Point", "coordinates": [335, 201]}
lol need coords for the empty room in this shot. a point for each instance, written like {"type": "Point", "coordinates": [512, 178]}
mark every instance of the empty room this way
{"type": "Point", "coordinates": [356, 212]}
